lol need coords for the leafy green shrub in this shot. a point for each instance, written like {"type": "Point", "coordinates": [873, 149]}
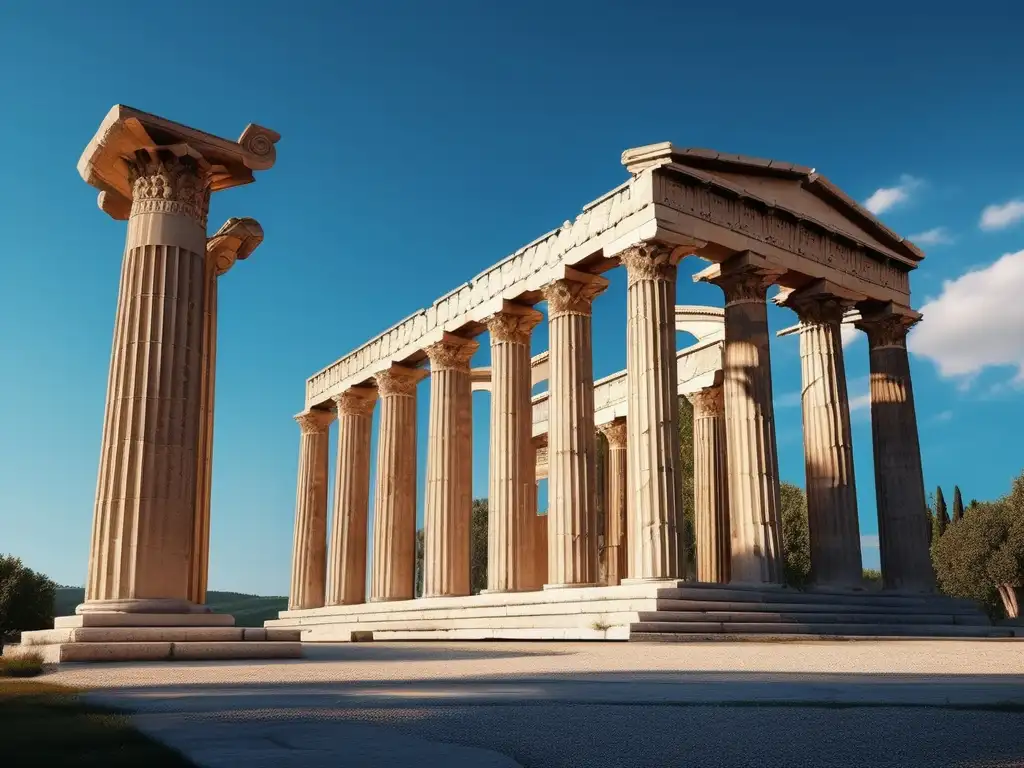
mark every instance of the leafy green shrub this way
{"type": "Point", "coordinates": [22, 665]}
{"type": "Point", "coordinates": [872, 579]}
{"type": "Point", "coordinates": [796, 543]}
{"type": "Point", "coordinates": [26, 598]}
{"type": "Point", "coordinates": [981, 555]}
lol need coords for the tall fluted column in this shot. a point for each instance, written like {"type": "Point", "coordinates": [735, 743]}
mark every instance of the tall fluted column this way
{"type": "Point", "coordinates": [654, 479]}
{"type": "Point", "coordinates": [538, 556]}
{"type": "Point", "coordinates": [394, 508]}
{"type": "Point", "coordinates": [833, 527]}
{"type": "Point", "coordinates": [449, 497]}
{"type": "Point", "coordinates": [899, 481]}
{"type": "Point", "coordinates": [616, 539]}
{"type": "Point", "coordinates": [141, 557]}
{"type": "Point", "coordinates": [158, 175]}
{"type": "Point", "coordinates": [234, 241]}
{"type": "Point", "coordinates": [513, 491]}
{"type": "Point", "coordinates": [572, 446]}
{"type": "Point", "coordinates": [710, 486]}
{"type": "Point", "coordinates": [346, 570]}
{"type": "Point", "coordinates": [750, 429]}
{"type": "Point", "coordinates": [309, 549]}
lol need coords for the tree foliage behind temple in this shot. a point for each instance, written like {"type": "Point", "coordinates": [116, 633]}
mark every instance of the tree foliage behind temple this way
{"type": "Point", "coordinates": [26, 598]}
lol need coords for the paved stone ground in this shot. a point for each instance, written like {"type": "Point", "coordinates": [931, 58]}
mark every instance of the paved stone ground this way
{"type": "Point", "coordinates": [928, 703]}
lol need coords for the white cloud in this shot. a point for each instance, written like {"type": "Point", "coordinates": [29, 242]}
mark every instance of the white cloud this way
{"type": "Point", "coordinates": [869, 541]}
{"type": "Point", "coordinates": [849, 334]}
{"type": "Point", "coordinates": [976, 322]}
{"type": "Point", "coordinates": [1001, 216]}
{"type": "Point", "coordinates": [936, 236]}
{"type": "Point", "coordinates": [884, 198]}
{"type": "Point", "coordinates": [942, 416]}
{"type": "Point", "coordinates": [860, 402]}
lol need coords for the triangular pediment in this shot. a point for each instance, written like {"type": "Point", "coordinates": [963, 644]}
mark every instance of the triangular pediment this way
{"type": "Point", "coordinates": [796, 189]}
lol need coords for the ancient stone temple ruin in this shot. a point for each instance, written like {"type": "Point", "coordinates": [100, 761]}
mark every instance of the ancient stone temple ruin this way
{"type": "Point", "coordinates": [758, 223]}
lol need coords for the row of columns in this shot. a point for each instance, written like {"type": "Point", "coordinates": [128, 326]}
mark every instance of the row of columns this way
{"type": "Point", "coordinates": [737, 503]}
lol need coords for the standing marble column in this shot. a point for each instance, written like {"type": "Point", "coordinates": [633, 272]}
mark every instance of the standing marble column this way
{"type": "Point", "coordinates": [903, 525]}
{"type": "Point", "coordinates": [309, 549]}
{"type": "Point", "coordinates": [572, 446]}
{"type": "Point", "coordinates": [654, 479]}
{"type": "Point", "coordinates": [750, 427]}
{"type": "Point", "coordinates": [833, 528]}
{"type": "Point", "coordinates": [513, 491]}
{"type": "Point", "coordinates": [346, 570]}
{"type": "Point", "coordinates": [710, 486]}
{"type": "Point", "coordinates": [537, 557]}
{"type": "Point", "coordinates": [158, 175]}
{"type": "Point", "coordinates": [449, 496]}
{"type": "Point", "coordinates": [616, 540]}
{"type": "Point", "coordinates": [394, 508]}
{"type": "Point", "coordinates": [235, 240]}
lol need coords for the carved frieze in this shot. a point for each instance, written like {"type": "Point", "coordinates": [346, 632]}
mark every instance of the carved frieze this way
{"type": "Point", "coordinates": [783, 230]}
{"type": "Point", "coordinates": [169, 185]}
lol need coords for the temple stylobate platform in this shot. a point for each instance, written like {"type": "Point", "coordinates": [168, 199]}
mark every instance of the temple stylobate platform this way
{"type": "Point", "coordinates": [757, 224]}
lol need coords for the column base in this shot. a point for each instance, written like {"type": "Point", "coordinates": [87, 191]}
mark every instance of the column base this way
{"type": "Point", "coordinates": [141, 605]}
{"type": "Point", "coordinates": [571, 586]}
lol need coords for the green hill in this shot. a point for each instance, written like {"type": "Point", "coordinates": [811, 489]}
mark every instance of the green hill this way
{"type": "Point", "coordinates": [248, 610]}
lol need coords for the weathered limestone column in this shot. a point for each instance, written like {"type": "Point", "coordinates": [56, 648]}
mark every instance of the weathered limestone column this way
{"type": "Point", "coordinates": [449, 496]}
{"type": "Point", "coordinates": [346, 570]}
{"type": "Point", "coordinates": [157, 175]}
{"type": "Point", "coordinates": [309, 549]}
{"type": "Point", "coordinates": [394, 508]}
{"type": "Point", "coordinates": [615, 536]}
{"type": "Point", "coordinates": [899, 481]}
{"type": "Point", "coordinates": [654, 480]}
{"type": "Point", "coordinates": [833, 527]}
{"type": "Point", "coordinates": [513, 490]}
{"type": "Point", "coordinates": [537, 559]}
{"type": "Point", "coordinates": [572, 446]}
{"type": "Point", "coordinates": [750, 425]}
{"type": "Point", "coordinates": [710, 486]}
{"type": "Point", "coordinates": [234, 241]}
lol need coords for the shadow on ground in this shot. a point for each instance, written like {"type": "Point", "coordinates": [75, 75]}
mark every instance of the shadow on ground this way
{"type": "Point", "coordinates": [617, 719]}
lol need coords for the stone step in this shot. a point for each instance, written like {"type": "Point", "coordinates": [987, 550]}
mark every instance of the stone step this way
{"type": "Point", "coordinates": [59, 653]}
{"type": "Point", "coordinates": [752, 628]}
{"type": "Point", "coordinates": [813, 607]}
{"type": "Point", "coordinates": [712, 637]}
{"type": "Point", "coordinates": [841, 617]}
{"type": "Point", "coordinates": [820, 591]}
{"type": "Point", "coordinates": [723, 594]}
{"type": "Point", "coordinates": [157, 635]}
{"type": "Point", "coordinates": [145, 620]}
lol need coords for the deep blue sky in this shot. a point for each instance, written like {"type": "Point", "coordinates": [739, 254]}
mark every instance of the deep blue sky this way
{"type": "Point", "coordinates": [422, 143]}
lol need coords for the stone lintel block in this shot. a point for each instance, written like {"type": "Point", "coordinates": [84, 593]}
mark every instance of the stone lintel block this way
{"type": "Point", "coordinates": [821, 288]}
{"type": "Point", "coordinates": [125, 130]}
{"type": "Point", "coordinates": [145, 620]}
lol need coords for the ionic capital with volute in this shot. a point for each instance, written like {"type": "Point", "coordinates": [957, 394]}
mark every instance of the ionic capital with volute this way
{"type": "Point", "coordinates": [234, 241]}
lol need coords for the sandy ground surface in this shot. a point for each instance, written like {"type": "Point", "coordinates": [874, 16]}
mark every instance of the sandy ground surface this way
{"type": "Point", "coordinates": [929, 703]}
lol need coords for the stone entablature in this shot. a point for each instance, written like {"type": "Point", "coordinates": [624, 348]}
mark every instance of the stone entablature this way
{"type": "Point", "coordinates": [618, 216]}
{"type": "Point", "coordinates": [698, 367]}
{"type": "Point", "coordinates": [700, 202]}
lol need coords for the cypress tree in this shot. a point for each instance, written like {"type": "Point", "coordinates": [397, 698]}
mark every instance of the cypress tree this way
{"type": "Point", "coordinates": [958, 504]}
{"type": "Point", "coordinates": [941, 516]}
